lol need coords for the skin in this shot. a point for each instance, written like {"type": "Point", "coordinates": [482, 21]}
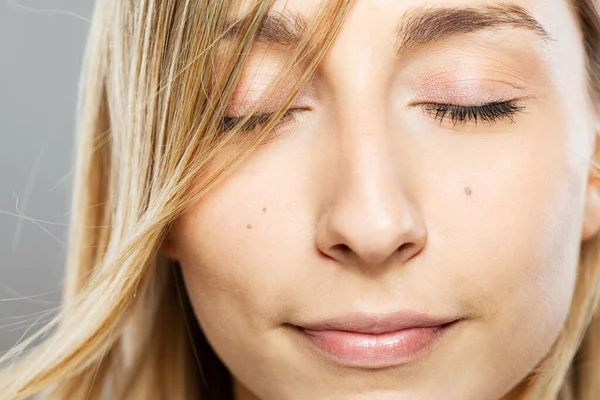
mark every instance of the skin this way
{"type": "Point", "coordinates": [387, 209]}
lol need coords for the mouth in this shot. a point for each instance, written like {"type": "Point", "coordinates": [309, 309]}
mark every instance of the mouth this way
{"type": "Point", "coordinates": [372, 341]}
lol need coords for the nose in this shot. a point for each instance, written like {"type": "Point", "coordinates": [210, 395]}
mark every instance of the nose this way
{"type": "Point", "coordinates": [369, 218]}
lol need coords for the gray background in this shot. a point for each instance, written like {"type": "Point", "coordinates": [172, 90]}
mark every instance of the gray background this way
{"type": "Point", "coordinates": [41, 51]}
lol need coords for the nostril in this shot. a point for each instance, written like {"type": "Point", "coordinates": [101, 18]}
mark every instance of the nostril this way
{"type": "Point", "coordinates": [339, 252]}
{"type": "Point", "coordinates": [341, 248]}
{"type": "Point", "coordinates": [411, 250]}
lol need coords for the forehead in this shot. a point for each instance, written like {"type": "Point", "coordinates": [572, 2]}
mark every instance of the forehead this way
{"type": "Point", "coordinates": [412, 23]}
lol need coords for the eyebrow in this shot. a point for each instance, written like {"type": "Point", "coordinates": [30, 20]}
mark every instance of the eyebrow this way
{"type": "Point", "coordinates": [279, 29]}
{"type": "Point", "coordinates": [422, 26]}
{"type": "Point", "coordinates": [417, 27]}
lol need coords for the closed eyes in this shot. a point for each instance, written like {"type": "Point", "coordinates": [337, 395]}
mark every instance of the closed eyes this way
{"type": "Point", "coordinates": [490, 113]}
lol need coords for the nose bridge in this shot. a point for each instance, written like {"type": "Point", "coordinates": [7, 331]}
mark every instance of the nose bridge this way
{"type": "Point", "coordinates": [369, 216]}
{"type": "Point", "coordinates": [367, 167]}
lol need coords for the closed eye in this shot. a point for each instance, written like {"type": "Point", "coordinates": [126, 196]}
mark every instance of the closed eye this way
{"type": "Point", "coordinates": [490, 112]}
{"type": "Point", "coordinates": [257, 121]}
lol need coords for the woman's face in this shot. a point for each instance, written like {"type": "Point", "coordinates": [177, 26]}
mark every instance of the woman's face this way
{"type": "Point", "coordinates": [382, 199]}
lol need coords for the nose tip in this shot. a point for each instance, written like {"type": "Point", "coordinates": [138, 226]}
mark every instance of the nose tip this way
{"type": "Point", "coordinates": [365, 232]}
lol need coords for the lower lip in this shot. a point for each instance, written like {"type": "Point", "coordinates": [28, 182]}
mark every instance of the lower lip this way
{"type": "Point", "coordinates": [364, 350]}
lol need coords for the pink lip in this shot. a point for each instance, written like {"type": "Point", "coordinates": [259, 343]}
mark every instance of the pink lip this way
{"type": "Point", "coordinates": [376, 340]}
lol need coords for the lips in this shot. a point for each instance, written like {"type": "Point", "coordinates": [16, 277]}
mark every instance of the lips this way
{"type": "Point", "coordinates": [375, 324]}
{"type": "Point", "coordinates": [368, 340]}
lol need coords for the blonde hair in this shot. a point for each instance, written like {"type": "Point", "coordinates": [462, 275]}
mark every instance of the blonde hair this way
{"type": "Point", "coordinates": [157, 80]}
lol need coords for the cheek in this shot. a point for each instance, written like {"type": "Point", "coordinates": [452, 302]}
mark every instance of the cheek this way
{"type": "Point", "coordinates": [524, 261]}
{"type": "Point", "coordinates": [238, 245]}
{"type": "Point", "coordinates": [512, 244]}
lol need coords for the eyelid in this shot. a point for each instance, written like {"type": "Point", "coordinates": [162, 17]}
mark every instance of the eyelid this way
{"type": "Point", "coordinates": [259, 119]}
{"type": "Point", "coordinates": [490, 112]}
{"type": "Point", "coordinates": [464, 75]}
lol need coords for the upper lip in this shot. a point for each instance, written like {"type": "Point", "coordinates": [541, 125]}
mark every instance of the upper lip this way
{"type": "Point", "coordinates": [377, 323]}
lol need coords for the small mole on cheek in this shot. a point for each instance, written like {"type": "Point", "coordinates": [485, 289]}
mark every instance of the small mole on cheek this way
{"type": "Point", "coordinates": [249, 226]}
{"type": "Point", "coordinates": [468, 191]}
{"type": "Point", "coordinates": [264, 209]}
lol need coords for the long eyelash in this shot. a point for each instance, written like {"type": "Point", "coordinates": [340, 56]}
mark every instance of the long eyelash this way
{"type": "Point", "coordinates": [255, 121]}
{"type": "Point", "coordinates": [491, 112]}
